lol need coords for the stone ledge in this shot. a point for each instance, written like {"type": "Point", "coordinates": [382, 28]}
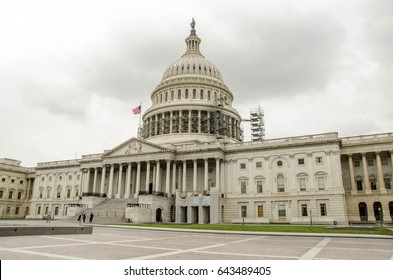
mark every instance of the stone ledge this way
{"type": "Point", "coordinates": [47, 230]}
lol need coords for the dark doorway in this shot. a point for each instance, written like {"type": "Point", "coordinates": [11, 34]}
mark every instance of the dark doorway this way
{"type": "Point", "coordinates": [363, 213]}
{"type": "Point", "coordinates": [159, 215]}
{"type": "Point", "coordinates": [391, 209]}
{"type": "Point", "coordinates": [377, 210]}
{"type": "Point", "coordinates": [151, 188]}
{"type": "Point", "coordinates": [173, 213]}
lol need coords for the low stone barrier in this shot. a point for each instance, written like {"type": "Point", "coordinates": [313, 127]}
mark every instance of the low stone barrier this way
{"type": "Point", "coordinates": [48, 230]}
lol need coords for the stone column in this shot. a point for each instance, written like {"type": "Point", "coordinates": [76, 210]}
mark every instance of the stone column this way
{"type": "Point", "coordinates": [28, 182]}
{"type": "Point", "coordinates": [103, 173]}
{"type": "Point", "coordinates": [174, 178]}
{"type": "Point", "coordinates": [138, 179]}
{"type": "Point", "coordinates": [194, 181]}
{"type": "Point", "coordinates": [87, 181]}
{"type": "Point", "coordinates": [381, 182]}
{"type": "Point", "coordinates": [158, 177]}
{"type": "Point", "coordinates": [118, 195]}
{"type": "Point", "coordinates": [180, 121]}
{"type": "Point", "coordinates": [95, 179]}
{"type": "Point", "coordinates": [184, 186]}
{"type": "Point", "coordinates": [365, 174]}
{"type": "Point", "coordinates": [147, 176]}
{"type": "Point", "coordinates": [206, 177]}
{"type": "Point", "coordinates": [110, 190]}
{"type": "Point", "coordinates": [189, 120]}
{"type": "Point", "coordinates": [351, 175]}
{"type": "Point", "coordinates": [128, 181]}
{"type": "Point", "coordinates": [218, 174]}
{"type": "Point", "coordinates": [199, 121]}
{"type": "Point", "coordinates": [167, 178]}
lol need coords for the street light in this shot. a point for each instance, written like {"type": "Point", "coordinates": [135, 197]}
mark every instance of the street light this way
{"type": "Point", "coordinates": [380, 215]}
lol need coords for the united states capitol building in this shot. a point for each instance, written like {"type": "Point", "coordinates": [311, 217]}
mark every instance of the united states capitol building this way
{"type": "Point", "coordinates": [189, 164]}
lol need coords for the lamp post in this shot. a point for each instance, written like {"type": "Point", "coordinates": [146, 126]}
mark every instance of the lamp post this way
{"type": "Point", "coordinates": [310, 217]}
{"type": "Point", "coordinates": [380, 215]}
{"type": "Point", "coordinates": [243, 214]}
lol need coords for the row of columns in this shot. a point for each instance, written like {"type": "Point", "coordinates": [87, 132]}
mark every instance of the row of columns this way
{"type": "Point", "coordinates": [179, 178]}
{"type": "Point", "coordinates": [380, 177]}
{"type": "Point", "coordinates": [172, 122]}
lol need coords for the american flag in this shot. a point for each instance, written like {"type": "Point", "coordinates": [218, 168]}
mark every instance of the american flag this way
{"type": "Point", "coordinates": [137, 110]}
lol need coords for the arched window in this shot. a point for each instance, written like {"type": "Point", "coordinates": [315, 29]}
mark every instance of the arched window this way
{"type": "Point", "coordinates": [179, 94]}
{"type": "Point", "coordinates": [194, 93]}
{"type": "Point", "coordinates": [280, 183]}
{"type": "Point", "coordinates": [58, 193]}
{"type": "Point", "coordinates": [186, 94]}
{"type": "Point", "coordinates": [201, 94]}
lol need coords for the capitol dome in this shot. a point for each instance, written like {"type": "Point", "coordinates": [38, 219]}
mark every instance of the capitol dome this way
{"type": "Point", "coordinates": [191, 103]}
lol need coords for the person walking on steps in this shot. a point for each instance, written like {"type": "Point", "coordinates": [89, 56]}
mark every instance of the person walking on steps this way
{"type": "Point", "coordinates": [91, 217]}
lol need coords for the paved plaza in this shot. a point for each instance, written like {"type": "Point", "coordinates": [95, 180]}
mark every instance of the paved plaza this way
{"type": "Point", "coordinates": [125, 243]}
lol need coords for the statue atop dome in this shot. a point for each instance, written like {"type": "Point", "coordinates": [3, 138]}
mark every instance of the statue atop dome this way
{"type": "Point", "coordinates": [193, 31]}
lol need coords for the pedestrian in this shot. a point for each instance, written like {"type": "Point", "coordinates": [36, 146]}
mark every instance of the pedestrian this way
{"type": "Point", "coordinates": [80, 218]}
{"type": "Point", "coordinates": [84, 217]}
{"type": "Point", "coordinates": [48, 217]}
{"type": "Point", "coordinates": [91, 217]}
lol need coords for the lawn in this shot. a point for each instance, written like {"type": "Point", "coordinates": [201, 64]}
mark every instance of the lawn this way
{"type": "Point", "coordinates": [273, 228]}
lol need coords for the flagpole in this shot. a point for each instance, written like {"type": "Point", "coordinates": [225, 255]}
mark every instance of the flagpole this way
{"type": "Point", "coordinates": [140, 121]}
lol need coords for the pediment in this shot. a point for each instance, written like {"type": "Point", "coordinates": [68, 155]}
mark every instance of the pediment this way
{"type": "Point", "coordinates": [134, 146]}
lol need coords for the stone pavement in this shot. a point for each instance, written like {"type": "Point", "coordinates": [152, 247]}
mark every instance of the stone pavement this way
{"type": "Point", "coordinates": [130, 243]}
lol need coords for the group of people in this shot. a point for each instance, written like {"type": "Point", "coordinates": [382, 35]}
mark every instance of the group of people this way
{"type": "Point", "coordinates": [82, 218]}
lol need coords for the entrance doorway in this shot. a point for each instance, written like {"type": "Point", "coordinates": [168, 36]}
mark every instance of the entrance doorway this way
{"type": "Point", "coordinates": [363, 212]}
{"type": "Point", "coordinates": [391, 209]}
{"type": "Point", "coordinates": [377, 210]}
{"type": "Point", "coordinates": [159, 215]}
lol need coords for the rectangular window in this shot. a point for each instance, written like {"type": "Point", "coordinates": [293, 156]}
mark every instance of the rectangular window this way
{"type": "Point", "coordinates": [384, 161]}
{"type": "Point", "coordinates": [68, 193]}
{"type": "Point", "coordinates": [370, 162]}
{"type": "Point", "coordinates": [300, 161]}
{"type": "Point", "coordinates": [359, 185]}
{"type": "Point", "coordinates": [1, 193]}
{"type": "Point", "coordinates": [259, 186]}
{"type": "Point", "coordinates": [386, 180]}
{"type": "Point", "coordinates": [302, 184]}
{"type": "Point", "coordinates": [281, 211]}
{"type": "Point", "coordinates": [69, 177]}
{"type": "Point", "coordinates": [19, 195]}
{"type": "Point", "coordinates": [39, 210]}
{"type": "Point", "coordinates": [318, 159]}
{"type": "Point", "coordinates": [78, 177]}
{"type": "Point", "coordinates": [8, 209]}
{"type": "Point", "coordinates": [21, 182]}
{"type": "Point", "coordinates": [260, 211]}
{"type": "Point", "coordinates": [356, 163]}
{"type": "Point", "coordinates": [48, 194]}
{"type": "Point", "coordinates": [58, 194]}
{"type": "Point", "coordinates": [3, 180]}
{"type": "Point", "coordinates": [258, 164]}
{"type": "Point", "coordinates": [244, 211]}
{"type": "Point", "coordinates": [12, 181]}
{"type": "Point", "coordinates": [304, 210]}
{"type": "Point", "coordinates": [17, 210]}
{"type": "Point", "coordinates": [242, 166]}
{"type": "Point", "coordinates": [373, 184]}
{"type": "Point", "coordinates": [323, 209]}
{"type": "Point", "coordinates": [243, 187]}
{"type": "Point", "coordinates": [57, 210]}
{"type": "Point", "coordinates": [321, 183]}
{"type": "Point", "coordinates": [10, 194]}
{"type": "Point", "coordinates": [42, 179]}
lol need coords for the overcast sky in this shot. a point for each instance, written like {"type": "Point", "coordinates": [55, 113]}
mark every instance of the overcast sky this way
{"type": "Point", "coordinates": [71, 71]}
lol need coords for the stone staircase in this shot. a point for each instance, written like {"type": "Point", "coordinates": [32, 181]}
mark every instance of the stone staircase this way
{"type": "Point", "coordinates": [110, 211]}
